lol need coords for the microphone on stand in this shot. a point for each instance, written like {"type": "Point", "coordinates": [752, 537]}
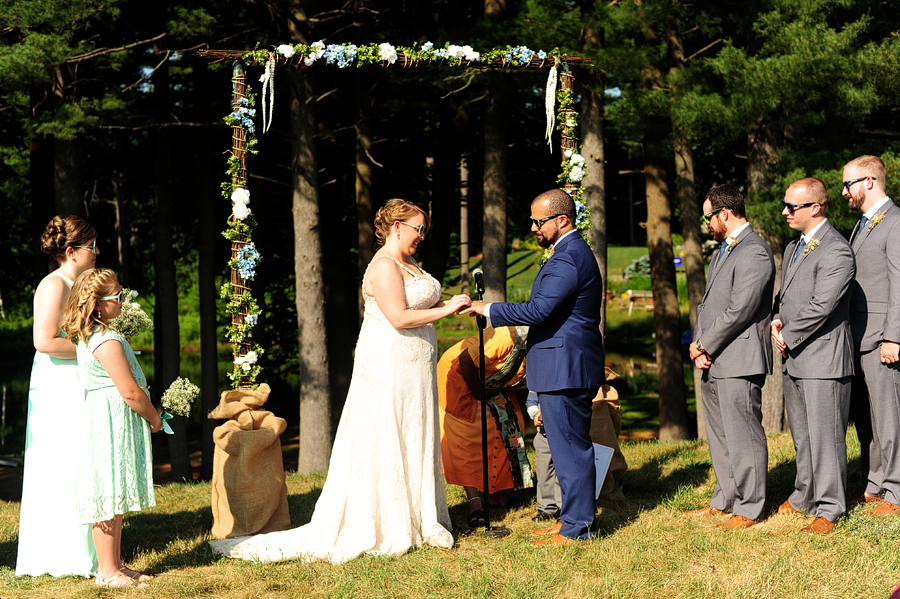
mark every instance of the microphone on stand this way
{"type": "Point", "coordinates": [478, 275]}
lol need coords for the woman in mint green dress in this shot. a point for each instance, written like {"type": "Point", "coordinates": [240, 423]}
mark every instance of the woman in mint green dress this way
{"type": "Point", "coordinates": [47, 510]}
{"type": "Point", "coordinates": [115, 471]}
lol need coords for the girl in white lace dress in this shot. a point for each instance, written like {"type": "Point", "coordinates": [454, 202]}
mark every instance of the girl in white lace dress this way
{"type": "Point", "coordinates": [385, 492]}
{"type": "Point", "coordinates": [115, 471]}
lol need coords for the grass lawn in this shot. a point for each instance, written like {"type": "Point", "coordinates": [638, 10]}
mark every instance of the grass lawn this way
{"type": "Point", "coordinates": [646, 548]}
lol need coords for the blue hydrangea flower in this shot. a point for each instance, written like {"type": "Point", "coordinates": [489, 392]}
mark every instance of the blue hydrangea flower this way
{"type": "Point", "coordinates": [580, 212]}
{"type": "Point", "coordinates": [427, 46]}
{"type": "Point", "coordinates": [342, 55]}
{"type": "Point", "coordinates": [541, 54]}
{"type": "Point", "coordinates": [441, 53]}
{"type": "Point", "coordinates": [251, 319]}
{"type": "Point", "coordinates": [247, 257]}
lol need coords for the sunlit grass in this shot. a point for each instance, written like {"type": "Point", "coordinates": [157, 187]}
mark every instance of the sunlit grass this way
{"type": "Point", "coordinates": [646, 548]}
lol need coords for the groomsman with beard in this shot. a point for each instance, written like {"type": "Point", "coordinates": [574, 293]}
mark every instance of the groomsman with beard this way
{"type": "Point", "coordinates": [811, 329]}
{"type": "Point", "coordinates": [875, 322]}
{"type": "Point", "coordinates": [733, 346]}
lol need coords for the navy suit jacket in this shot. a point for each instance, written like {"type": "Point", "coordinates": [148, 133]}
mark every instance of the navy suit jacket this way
{"type": "Point", "coordinates": [565, 348]}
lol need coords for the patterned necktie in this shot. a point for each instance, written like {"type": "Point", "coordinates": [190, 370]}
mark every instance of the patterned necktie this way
{"type": "Point", "coordinates": [800, 247]}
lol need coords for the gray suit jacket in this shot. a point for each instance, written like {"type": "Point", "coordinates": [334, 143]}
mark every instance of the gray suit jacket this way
{"type": "Point", "coordinates": [733, 320]}
{"type": "Point", "coordinates": [875, 297]}
{"type": "Point", "coordinates": [814, 305]}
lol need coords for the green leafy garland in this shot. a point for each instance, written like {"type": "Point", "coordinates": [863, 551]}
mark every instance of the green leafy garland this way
{"type": "Point", "coordinates": [240, 228]}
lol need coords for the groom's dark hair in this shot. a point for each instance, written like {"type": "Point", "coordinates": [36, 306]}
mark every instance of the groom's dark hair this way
{"type": "Point", "coordinates": [558, 202]}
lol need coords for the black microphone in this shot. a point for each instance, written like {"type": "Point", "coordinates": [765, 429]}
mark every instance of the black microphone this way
{"type": "Point", "coordinates": [478, 274]}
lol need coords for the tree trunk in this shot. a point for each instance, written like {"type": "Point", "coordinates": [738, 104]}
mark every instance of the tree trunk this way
{"type": "Point", "coordinates": [494, 242]}
{"type": "Point", "coordinates": [444, 201]}
{"type": "Point", "coordinates": [764, 142]}
{"type": "Point", "coordinates": [595, 172]}
{"type": "Point", "coordinates": [365, 207]}
{"type": "Point", "coordinates": [673, 420]}
{"type": "Point", "coordinates": [68, 177]}
{"type": "Point", "coordinates": [167, 341]}
{"type": "Point", "coordinates": [43, 207]}
{"type": "Point", "coordinates": [691, 211]}
{"type": "Point", "coordinates": [315, 400]}
{"type": "Point", "coordinates": [211, 220]}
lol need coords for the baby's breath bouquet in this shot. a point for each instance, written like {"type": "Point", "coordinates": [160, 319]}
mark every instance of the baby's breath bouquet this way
{"type": "Point", "coordinates": [133, 320]}
{"type": "Point", "coordinates": [177, 400]}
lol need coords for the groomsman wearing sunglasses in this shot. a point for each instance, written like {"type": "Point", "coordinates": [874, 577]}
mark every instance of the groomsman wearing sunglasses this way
{"type": "Point", "coordinates": [875, 322]}
{"type": "Point", "coordinates": [811, 329]}
{"type": "Point", "coordinates": [733, 345]}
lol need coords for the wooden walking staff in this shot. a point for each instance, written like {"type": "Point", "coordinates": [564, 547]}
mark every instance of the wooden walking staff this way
{"type": "Point", "coordinates": [239, 179]}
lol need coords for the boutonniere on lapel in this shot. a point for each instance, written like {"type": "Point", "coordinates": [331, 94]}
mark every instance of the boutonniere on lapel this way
{"type": "Point", "coordinates": [811, 246]}
{"type": "Point", "coordinates": [875, 220]}
{"type": "Point", "coordinates": [732, 246]}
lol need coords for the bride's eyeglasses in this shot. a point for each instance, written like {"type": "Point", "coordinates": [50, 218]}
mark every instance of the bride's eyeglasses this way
{"type": "Point", "coordinates": [420, 229]}
{"type": "Point", "coordinates": [93, 247]}
{"type": "Point", "coordinates": [118, 297]}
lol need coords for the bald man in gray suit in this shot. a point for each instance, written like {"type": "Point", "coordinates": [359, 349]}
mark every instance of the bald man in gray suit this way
{"type": "Point", "coordinates": [733, 345]}
{"type": "Point", "coordinates": [875, 322]}
{"type": "Point", "coordinates": [811, 329]}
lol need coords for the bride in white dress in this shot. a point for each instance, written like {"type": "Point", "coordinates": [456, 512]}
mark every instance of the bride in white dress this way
{"type": "Point", "coordinates": [385, 491]}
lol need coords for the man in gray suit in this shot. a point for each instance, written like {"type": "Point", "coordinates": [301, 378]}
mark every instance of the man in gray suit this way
{"type": "Point", "coordinates": [812, 331]}
{"type": "Point", "coordinates": [875, 323]}
{"type": "Point", "coordinates": [733, 344]}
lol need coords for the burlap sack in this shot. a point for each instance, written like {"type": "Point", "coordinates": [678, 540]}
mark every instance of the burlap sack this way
{"type": "Point", "coordinates": [606, 424]}
{"type": "Point", "coordinates": [249, 495]}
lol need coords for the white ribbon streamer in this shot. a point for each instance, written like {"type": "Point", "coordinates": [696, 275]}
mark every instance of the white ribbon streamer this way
{"type": "Point", "coordinates": [550, 104]}
{"type": "Point", "coordinates": [268, 81]}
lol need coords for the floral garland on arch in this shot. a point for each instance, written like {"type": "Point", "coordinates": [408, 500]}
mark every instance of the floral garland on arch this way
{"type": "Point", "coordinates": [240, 229]}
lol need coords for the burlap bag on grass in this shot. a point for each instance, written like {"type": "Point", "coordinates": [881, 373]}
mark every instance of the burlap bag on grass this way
{"type": "Point", "coordinates": [606, 424]}
{"type": "Point", "coordinates": [249, 495]}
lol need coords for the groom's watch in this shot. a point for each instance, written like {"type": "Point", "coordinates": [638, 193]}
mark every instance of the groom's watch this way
{"type": "Point", "coordinates": [700, 347]}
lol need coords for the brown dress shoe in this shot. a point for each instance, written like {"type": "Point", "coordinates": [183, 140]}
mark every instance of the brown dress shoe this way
{"type": "Point", "coordinates": [556, 539]}
{"type": "Point", "coordinates": [864, 498]}
{"type": "Point", "coordinates": [787, 508]}
{"type": "Point", "coordinates": [819, 526]}
{"type": "Point", "coordinates": [707, 511]}
{"type": "Point", "coordinates": [738, 522]}
{"type": "Point", "coordinates": [884, 508]}
{"type": "Point", "coordinates": [546, 532]}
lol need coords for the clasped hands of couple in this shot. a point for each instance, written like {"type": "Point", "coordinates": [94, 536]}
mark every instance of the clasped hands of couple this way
{"type": "Point", "coordinates": [463, 304]}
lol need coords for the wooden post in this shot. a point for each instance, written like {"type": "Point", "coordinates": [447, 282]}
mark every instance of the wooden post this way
{"type": "Point", "coordinates": [569, 138]}
{"type": "Point", "coordinates": [239, 179]}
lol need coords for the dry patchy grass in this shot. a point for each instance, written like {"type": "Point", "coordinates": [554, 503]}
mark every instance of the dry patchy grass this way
{"type": "Point", "coordinates": [646, 548]}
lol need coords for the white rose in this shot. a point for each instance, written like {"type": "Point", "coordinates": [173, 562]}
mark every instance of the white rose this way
{"type": "Point", "coordinates": [285, 50]}
{"type": "Point", "coordinates": [456, 52]}
{"type": "Point", "coordinates": [239, 360]}
{"type": "Point", "coordinates": [568, 153]}
{"type": "Point", "coordinates": [387, 52]}
{"type": "Point", "coordinates": [251, 357]}
{"type": "Point", "coordinates": [240, 211]}
{"type": "Point", "coordinates": [240, 195]}
{"type": "Point", "coordinates": [246, 366]}
{"type": "Point", "coordinates": [577, 160]}
{"type": "Point", "coordinates": [470, 54]}
{"type": "Point", "coordinates": [576, 174]}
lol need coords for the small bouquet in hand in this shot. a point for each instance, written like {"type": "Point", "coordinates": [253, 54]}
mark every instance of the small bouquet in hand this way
{"type": "Point", "coordinates": [177, 400]}
{"type": "Point", "coordinates": [133, 320]}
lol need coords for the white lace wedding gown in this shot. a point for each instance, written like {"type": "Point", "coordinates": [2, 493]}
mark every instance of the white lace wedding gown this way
{"type": "Point", "coordinates": [385, 491]}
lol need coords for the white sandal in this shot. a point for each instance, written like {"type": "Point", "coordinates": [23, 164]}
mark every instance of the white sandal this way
{"type": "Point", "coordinates": [117, 582]}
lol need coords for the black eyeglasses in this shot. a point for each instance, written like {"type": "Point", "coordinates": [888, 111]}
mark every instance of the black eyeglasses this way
{"type": "Point", "coordinates": [706, 217]}
{"type": "Point", "coordinates": [118, 297]}
{"type": "Point", "coordinates": [420, 229]}
{"type": "Point", "coordinates": [539, 222]}
{"type": "Point", "coordinates": [847, 184]}
{"type": "Point", "coordinates": [791, 208]}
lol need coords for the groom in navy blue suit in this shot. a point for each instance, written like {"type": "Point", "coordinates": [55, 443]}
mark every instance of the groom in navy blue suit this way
{"type": "Point", "coordinates": [565, 363]}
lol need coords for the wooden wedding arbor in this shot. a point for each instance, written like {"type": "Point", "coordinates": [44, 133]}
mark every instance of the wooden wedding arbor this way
{"type": "Point", "coordinates": [241, 304]}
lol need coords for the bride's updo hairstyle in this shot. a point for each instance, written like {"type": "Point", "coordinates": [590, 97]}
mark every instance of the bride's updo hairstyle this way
{"type": "Point", "coordinates": [65, 232]}
{"type": "Point", "coordinates": [78, 320]}
{"type": "Point", "coordinates": [393, 211]}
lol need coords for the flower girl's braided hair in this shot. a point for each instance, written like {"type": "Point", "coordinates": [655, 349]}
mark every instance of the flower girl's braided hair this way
{"type": "Point", "coordinates": [79, 318]}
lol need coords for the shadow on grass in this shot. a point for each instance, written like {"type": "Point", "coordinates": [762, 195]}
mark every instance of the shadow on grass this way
{"type": "Point", "coordinates": [157, 533]}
